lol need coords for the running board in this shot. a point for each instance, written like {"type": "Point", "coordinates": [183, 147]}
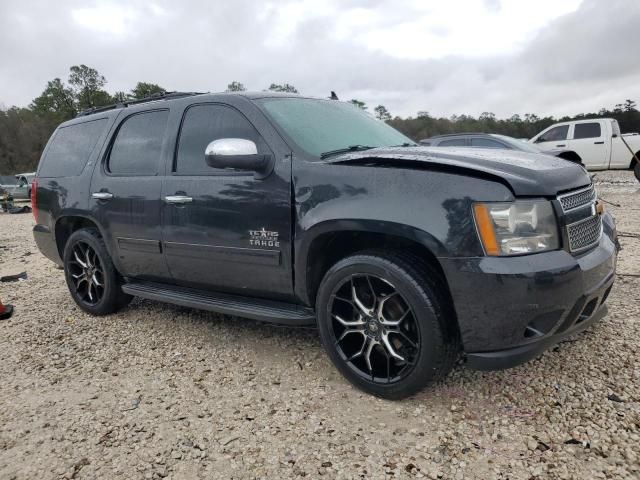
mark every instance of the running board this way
{"type": "Point", "coordinates": [248, 307]}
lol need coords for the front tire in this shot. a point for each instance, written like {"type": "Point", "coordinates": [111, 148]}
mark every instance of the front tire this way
{"type": "Point", "coordinates": [636, 170]}
{"type": "Point", "coordinates": [93, 281]}
{"type": "Point", "coordinates": [384, 323]}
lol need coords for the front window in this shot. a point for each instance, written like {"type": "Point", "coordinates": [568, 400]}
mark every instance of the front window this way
{"type": "Point", "coordinates": [486, 143]}
{"type": "Point", "coordinates": [556, 134]}
{"type": "Point", "coordinates": [454, 142]}
{"type": "Point", "coordinates": [520, 144]}
{"type": "Point", "coordinates": [320, 126]}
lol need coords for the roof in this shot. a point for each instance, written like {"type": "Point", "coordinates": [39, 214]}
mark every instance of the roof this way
{"type": "Point", "coordinates": [461, 134]}
{"type": "Point", "coordinates": [151, 98]}
{"type": "Point", "coordinates": [168, 96]}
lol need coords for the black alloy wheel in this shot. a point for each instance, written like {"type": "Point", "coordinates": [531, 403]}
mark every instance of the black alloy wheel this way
{"type": "Point", "coordinates": [374, 328]}
{"type": "Point", "coordinates": [93, 281]}
{"type": "Point", "coordinates": [385, 323]}
{"type": "Point", "coordinates": [86, 273]}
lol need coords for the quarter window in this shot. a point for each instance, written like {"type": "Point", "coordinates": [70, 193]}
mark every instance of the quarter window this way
{"type": "Point", "coordinates": [70, 149]}
{"type": "Point", "coordinates": [555, 134]}
{"type": "Point", "coordinates": [586, 130]}
{"type": "Point", "coordinates": [203, 124]}
{"type": "Point", "coordinates": [138, 144]}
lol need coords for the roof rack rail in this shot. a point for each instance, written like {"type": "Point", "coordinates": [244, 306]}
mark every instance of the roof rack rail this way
{"type": "Point", "coordinates": [460, 133]}
{"type": "Point", "coordinates": [149, 98]}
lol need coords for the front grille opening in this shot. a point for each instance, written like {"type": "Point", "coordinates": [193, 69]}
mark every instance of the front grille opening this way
{"type": "Point", "coordinates": [542, 324]}
{"type": "Point", "coordinates": [584, 233]}
{"type": "Point", "coordinates": [577, 199]}
{"type": "Point", "coordinates": [606, 294]}
{"type": "Point", "coordinates": [588, 310]}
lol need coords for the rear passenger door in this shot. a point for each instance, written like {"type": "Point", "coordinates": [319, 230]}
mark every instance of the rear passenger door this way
{"type": "Point", "coordinates": [589, 142]}
{"type": "Point", "coordinates": [234, 234]}
{"type": "Point", "coordinates": [125, 193]}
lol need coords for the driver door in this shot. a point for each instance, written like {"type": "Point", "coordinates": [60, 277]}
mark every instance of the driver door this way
{"type": "Point", "coordinates": [229, 230]}
{"type": "Point", "coordinates": [555, 137]}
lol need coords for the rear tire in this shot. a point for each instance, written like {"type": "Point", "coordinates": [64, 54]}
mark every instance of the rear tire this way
{"type": "Point", "coordinates": [93, 281]}
{"type": "Point", "coordinates": [636, 170]}
{"type": "Point", "coordinates": [415, 342]}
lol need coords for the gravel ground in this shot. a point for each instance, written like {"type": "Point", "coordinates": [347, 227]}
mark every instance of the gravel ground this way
{"type": "Point", "coordinates": [158, 391]}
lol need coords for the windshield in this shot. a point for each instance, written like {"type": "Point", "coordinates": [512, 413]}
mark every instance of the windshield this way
{"type": "Point", "coordinates": [320, 126]}
{"type": "Point", "coordinates": [519, 144]}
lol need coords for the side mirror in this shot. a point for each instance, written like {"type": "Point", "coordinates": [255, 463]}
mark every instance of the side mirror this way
{"type": "Point", "coordinates": [615, 135]}
{"type": "Point", "coordinates": [239, 154]}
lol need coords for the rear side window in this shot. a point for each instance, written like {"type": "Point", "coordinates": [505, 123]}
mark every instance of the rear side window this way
{"type": "Point", "coordinates": [71, 148]}
{"type": "Point", "coordinates": [138, 144]}
{"type": "Point", "coordinates": [586, 130]}
{"type": "Point", "coordinates": [555, 134]}
{"type": "Point", "coordinates": [454, 142]}
{"type": "Point", "coordinates": [486, 143]}
{"type": "Point", "coordinates": [203, 124]}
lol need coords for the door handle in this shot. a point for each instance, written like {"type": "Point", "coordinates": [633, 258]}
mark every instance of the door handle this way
{"type": "Point", "coordinates": [563, 145]}
{"type": "Point", "coordinates": [599, 143]}
{"type": "Point", "coordinates": [102, 195]}
{"type": "Point", "coordinates": [178, 199]}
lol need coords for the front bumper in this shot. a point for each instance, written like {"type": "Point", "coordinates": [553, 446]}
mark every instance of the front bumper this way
{"type": "Point", "coordinates": [511, 309]}
{"type": "Point", "coordinates": [511, 357]}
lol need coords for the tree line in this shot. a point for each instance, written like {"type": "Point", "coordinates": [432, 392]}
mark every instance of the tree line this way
{"type": "Point", "coordinates": [24, 131]}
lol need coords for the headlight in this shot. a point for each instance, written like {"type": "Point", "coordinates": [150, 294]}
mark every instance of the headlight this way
{"type": "Point", "coordinates": [516, 228]}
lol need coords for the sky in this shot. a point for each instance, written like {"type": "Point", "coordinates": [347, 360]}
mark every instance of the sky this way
{"type": "Point", "coordinates": [549, 57]}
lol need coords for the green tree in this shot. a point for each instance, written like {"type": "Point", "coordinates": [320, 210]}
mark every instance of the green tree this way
{"type": "Point", "coordinates": [286, 88]}
{"type": "Point", "coordinates": [144, 89]}
{"type": "Point", "coordinates": [382, 113]}
{"type": "Point", "coordinates": [358, 103]}
{"type": "Point", "coordinates": [423, 114]}
{"type": "Point", "coordinates": [629, 105]}
{"type": "Point", "coordinates": [487, 117]}
{"type": "Point", "coordinates": [236, 87]}
{"type": "Point", "coordinates": [57, 99]}
{"type": "Point", "coordinates": [87, 85]}
{"type": "Point", "coordinates": [121, 97]}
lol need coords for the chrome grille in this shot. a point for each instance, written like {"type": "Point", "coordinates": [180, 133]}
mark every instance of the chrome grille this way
{"type": "Point", "coordinates": [585, 233]}
{"type": "Point", "coordinates": [572, 200]}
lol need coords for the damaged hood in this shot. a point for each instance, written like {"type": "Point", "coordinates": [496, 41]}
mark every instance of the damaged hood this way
{"type": "Point", "coordinates": [527, 174]}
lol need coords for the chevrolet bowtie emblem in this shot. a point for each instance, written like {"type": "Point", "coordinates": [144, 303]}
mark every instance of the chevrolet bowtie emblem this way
{"type": "Point", "coordinates": [599, 207]}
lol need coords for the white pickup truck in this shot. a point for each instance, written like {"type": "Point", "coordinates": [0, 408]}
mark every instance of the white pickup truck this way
{"type": "Point", "coordinates": [595, 143]}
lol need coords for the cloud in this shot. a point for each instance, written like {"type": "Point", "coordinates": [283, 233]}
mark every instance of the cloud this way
{"type": "Point", "coordinates": [546, 57]}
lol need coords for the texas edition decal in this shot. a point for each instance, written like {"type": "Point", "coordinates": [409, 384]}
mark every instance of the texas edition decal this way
{"type": "Point", "coordinates": [264, 238]}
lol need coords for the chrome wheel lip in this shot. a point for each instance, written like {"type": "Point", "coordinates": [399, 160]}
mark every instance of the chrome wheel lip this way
{"type": "Point", "coordinates": [378, 337]}
{"type": "Point", "coordinates": [85, 274]}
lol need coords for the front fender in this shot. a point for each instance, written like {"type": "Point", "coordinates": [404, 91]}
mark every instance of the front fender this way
{"type": "Point", "coordinates": [305, 240]}
{"type": "Point", "coordinates": [430, 208]}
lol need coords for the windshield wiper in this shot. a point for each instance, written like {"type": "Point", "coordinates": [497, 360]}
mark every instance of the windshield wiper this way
{"type": "Point", "coordinates": [405, 144]}
{"type": "Point", "coordinates": [350, 148]}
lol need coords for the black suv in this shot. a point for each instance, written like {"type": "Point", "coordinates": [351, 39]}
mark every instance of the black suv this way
{"type": "Point", "coordinates": [305, 211]}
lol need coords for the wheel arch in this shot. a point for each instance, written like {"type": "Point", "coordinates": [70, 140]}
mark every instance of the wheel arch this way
{"type": "Point", "coordinates": [66, 225]}
{"type": "Point", "coordinates": [571, 156]}
{"type": "Point", "coordinates": [633, 161]}
{"type": "Point", "coordinates": [330, 241]}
